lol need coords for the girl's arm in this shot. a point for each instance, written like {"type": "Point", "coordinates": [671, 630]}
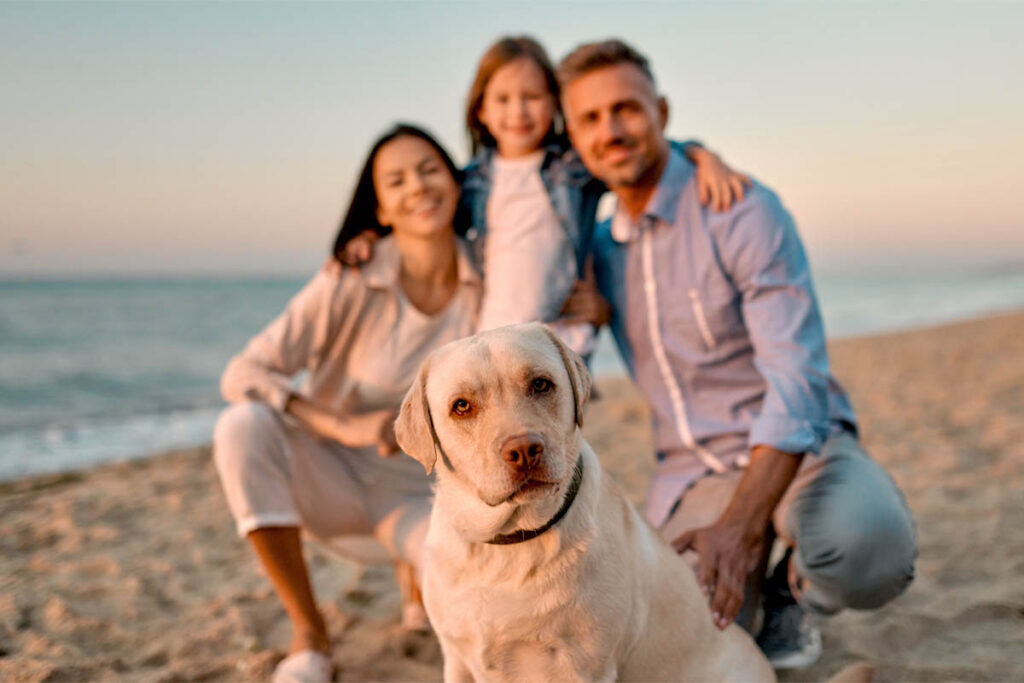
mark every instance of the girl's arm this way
{"type": "Point", "coordinates": [718, 185]}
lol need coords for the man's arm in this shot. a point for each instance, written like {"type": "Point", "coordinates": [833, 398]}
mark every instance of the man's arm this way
{"type": "Point", "coordinates": [765, 259]}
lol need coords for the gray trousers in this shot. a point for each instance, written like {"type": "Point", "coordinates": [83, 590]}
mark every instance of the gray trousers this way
{"type": "Point", "coordinates": [850, 527]}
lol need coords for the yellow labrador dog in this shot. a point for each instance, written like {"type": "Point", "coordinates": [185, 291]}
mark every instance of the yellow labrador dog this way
{"type": "Point", "coordinates": [537, 566]}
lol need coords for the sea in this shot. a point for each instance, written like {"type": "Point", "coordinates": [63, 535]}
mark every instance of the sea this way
{"type": "Point", "coordinates": [101, 369]}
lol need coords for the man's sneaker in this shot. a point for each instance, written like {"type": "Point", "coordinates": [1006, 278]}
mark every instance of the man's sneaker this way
{"type": "Point", "coordinates": [789, 638]}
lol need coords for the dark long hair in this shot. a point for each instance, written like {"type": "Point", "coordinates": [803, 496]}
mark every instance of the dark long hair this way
{"type": "Point", "coordinates": [505, 50]}
{"type": "Point", "coordinates": [362, 210]}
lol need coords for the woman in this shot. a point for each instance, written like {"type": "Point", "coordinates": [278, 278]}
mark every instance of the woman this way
{"type": "Point", "coordinates": [319, 458]}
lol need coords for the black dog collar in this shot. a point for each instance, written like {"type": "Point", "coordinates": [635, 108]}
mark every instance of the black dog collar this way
{"type": "Point", "coordinates": [526, 535]}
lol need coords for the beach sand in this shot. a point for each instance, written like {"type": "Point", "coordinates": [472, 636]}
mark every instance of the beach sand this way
{"type": "Point", "coordinates": [134, 570]}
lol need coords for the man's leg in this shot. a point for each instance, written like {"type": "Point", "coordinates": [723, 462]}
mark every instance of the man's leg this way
{"type": "Point", "coordinates": [852, 533]}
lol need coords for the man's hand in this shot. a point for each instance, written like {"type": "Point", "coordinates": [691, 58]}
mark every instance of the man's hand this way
{"type": "Point", "coordinates": [585, 303]}
{"type": "Point", "coordinates": [731, 548]}
{"type": "Point", "coordinates": [358, 250]}
{"type": "Point", "coordinates": [729, 552]}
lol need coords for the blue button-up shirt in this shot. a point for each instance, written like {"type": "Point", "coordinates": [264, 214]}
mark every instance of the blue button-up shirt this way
{"type": "Point", "coordinates": [716, 317]}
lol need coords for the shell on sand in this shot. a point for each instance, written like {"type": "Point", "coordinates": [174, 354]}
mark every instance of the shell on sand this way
{"type": "Point", "coordinates": [134, 570]}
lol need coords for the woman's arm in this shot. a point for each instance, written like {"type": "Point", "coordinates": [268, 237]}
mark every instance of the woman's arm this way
{"type": "Point", "coordinates": [263, 371]}
{"type": "Point", "coordinates": [264, 368]}
{"type": "Point", "coordinates": [376, 428]}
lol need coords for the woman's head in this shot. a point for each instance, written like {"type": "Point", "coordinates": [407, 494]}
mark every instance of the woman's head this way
{"type": "Point", "coordinates": [408, 184]}
{"type": "Point", "coordinates": [513, 102]}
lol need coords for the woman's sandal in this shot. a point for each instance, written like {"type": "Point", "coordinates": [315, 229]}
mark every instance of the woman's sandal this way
{"type": "Point", "coordinates": [307, 666]}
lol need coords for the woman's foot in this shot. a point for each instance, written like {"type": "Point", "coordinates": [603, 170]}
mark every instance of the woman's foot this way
{"type": "Point", "coordinates": [312, 637]}
{"type": "Point", "coordinates": [414, 616]}
{"type": "Point", "coordinates": [307, 666]}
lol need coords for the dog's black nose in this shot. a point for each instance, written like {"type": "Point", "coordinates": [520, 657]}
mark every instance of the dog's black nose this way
{"type": "Point", "coordinates": [523, 451]}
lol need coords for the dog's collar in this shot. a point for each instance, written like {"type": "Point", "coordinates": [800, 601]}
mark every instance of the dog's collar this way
{"type": "Point", "coordinates": [526, 535]}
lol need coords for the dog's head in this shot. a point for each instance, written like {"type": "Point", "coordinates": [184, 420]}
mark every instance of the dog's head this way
{"type": "Point", "coordinates": [501, 412]}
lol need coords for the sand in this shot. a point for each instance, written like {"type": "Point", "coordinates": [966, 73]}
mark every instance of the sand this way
{"type": "Point", "coordinates": [133, 571]}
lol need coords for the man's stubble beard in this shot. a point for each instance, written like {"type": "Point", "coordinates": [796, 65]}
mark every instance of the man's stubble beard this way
{"type": "Point", "coordinates": [647, 175]}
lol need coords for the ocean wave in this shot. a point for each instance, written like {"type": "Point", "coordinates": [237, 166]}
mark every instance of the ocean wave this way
{"type": "Point", "coordinates": [108, 371]}
{"type": "Point", "coordinates": [84, 443]}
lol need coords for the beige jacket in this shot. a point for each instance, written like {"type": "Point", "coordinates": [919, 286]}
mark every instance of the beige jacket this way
{"type": "Point", "coordinates": [358, 339]}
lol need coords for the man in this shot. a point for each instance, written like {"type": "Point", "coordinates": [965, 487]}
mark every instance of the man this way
{"type": "Point", "coordinates": [717, 320]}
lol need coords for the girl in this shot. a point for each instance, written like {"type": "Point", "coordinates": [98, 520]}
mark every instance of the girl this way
{"type": "Point", "coordinates": [316, 458]}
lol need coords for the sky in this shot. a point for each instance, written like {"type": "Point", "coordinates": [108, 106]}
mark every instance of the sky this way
{"type": "Point", "coordinates": [226, 137]}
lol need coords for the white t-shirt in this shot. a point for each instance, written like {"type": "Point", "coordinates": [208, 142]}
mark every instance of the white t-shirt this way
{"type": "Point", "coordinates": [526, 253]}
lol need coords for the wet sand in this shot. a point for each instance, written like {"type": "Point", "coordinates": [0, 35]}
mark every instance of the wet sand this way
{"type": "Point", "coordinates": [134, 571]}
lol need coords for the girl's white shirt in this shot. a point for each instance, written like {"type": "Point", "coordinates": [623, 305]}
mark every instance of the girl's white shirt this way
{"type": "Point", "coordinates": [525, 248]}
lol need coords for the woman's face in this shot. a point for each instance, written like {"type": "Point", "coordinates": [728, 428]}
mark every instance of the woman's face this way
{"type": "Point", "coordinates": [416, 194]}
{"type": "Point", "coordinates": [517, 107]}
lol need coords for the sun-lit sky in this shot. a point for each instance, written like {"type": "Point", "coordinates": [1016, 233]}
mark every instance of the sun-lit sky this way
{"type": "Point", "coordinates": [168, 137]}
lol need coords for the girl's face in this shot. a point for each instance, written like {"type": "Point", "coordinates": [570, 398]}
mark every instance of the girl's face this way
{"type": "Point", "coordinates": [517, 108]}
{"type": "Point", "coordinates": [416, 194]}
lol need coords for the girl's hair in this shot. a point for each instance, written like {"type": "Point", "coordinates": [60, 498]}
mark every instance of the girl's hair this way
{"type": "Point", "coordinates": [362, 210]}
{"type": "Point", "coordinates": [509, 49]}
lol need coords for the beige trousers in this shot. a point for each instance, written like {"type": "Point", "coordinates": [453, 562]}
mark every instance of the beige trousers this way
{"type": "Point", "coordinates": [276, 473]}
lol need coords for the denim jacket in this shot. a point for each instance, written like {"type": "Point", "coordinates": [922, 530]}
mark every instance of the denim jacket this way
{"type": "Point", "coordinates": [573, 192]}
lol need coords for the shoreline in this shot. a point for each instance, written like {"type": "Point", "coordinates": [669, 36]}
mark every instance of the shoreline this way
{"type": "Point", "coordinates": [617, 372]}
{"type": "Point", "coordinates": [134, 570]}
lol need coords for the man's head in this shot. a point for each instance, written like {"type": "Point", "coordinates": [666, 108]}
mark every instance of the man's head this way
{"type": "Point", "coordinates": [614, 115]}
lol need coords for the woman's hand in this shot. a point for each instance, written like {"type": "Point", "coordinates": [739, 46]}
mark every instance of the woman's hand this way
{"type": "Point", "coordinates": [387, 444]}
{"type": "Point", "coordinates": [717, 185]}
{"type": "Point", "coordinates": [585, 303]}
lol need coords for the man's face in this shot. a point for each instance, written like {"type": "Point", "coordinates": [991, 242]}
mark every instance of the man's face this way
{"type": "Point", "coordinates": [616, 122]}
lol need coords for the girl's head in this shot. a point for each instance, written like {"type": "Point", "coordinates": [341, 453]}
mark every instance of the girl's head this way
{"type": "Point", "coordinates": [513, 102]}
{"type": "Point", "coordinates": [408, 184]}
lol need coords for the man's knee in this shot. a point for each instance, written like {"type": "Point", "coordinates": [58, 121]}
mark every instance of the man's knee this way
{"type": "Point", "coordinates": [864, 562]}
{"type": "Point", "coordinates": [240, 431]}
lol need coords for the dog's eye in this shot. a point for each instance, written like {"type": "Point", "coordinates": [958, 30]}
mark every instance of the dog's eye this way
{"type": "Point", "coordinates": [461, 406]}
{"type": "Point", "coordinates": [541, 385]}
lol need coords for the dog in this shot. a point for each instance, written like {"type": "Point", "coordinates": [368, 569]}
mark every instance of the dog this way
{"type": "Point", "coordinates": [537, 566]}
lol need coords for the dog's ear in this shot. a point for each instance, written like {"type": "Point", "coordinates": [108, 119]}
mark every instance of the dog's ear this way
{"type": "Point", "coordinates": [414, 428]}
{"type": "Point", "coordinates": [579, 377]}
